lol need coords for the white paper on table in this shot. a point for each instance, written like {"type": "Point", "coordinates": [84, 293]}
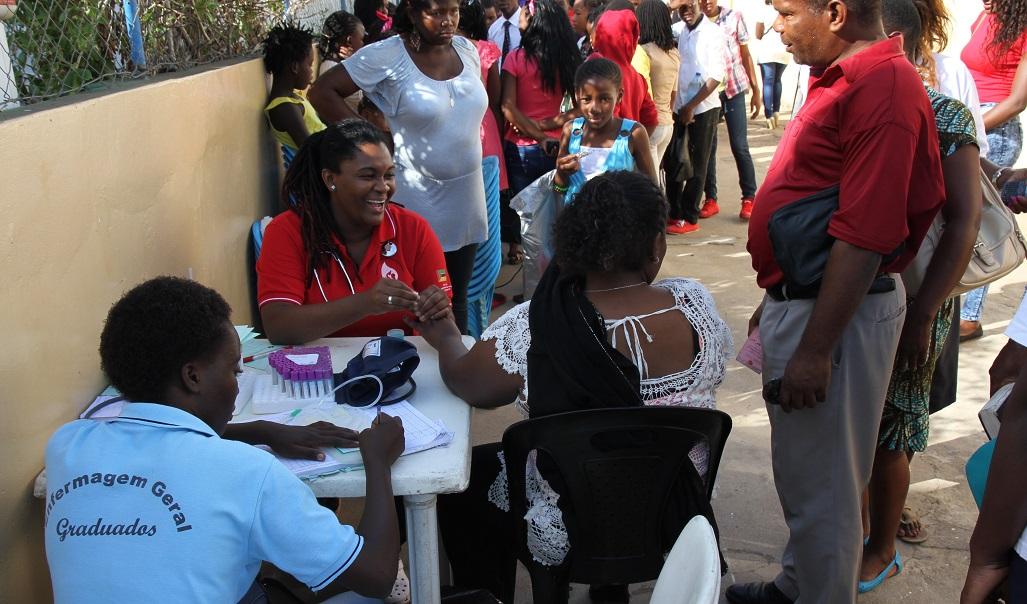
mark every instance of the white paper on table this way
{"type": "Point", "coordinates": [420, 434]}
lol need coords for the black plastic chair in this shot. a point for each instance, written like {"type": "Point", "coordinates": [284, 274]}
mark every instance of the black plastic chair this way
{"type": "Point", "coordinates": [616, 471]}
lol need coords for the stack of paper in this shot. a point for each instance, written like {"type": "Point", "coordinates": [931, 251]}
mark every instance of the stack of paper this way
{"type": "Point", "coordinates": [420, 434]}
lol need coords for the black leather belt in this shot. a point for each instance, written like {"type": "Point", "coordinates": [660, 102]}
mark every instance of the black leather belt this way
{"type": "Point", "coordinates": [781, 292]}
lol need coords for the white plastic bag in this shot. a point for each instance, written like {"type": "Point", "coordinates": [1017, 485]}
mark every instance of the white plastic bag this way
{"type": "Point", "coordinates": [538, 206]}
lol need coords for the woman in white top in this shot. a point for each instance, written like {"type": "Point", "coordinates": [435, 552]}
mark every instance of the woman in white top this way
{"type": "Point", "coordinates": [427, 83]}
{"type": "Point", "coordinates": [773, 58]}
{"type": "Point", "coordinates": [598, 332]}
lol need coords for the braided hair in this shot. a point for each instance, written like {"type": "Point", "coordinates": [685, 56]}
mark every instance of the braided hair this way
{"type": "Point", "coordinates": [612, 224]}
{"type": "Point", "coordinates": [286, 44]}
{"type": "Point", "coordinates": [338, 27]}
{"type": "Point", "coordinates": [1010, 24]}
{"type": "Point", "coordinates": [305, 191]}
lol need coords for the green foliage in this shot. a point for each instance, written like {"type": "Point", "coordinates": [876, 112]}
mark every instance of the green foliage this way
{"type": "Point", "coordinates": [62, 46]}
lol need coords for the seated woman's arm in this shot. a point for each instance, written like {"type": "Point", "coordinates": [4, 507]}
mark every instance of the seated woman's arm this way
{"type": "Point", "coordinates": [328, 95]}
{"type": "Point", "coordinates": [474, 375]}
{"type": "Point", "coordinates": [288, 323]}
{"type": "Point", "coordinates": [288, 118]}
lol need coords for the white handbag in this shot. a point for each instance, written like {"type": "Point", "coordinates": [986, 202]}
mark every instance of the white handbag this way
{"type": "Point", "coordinates": [999, 248]}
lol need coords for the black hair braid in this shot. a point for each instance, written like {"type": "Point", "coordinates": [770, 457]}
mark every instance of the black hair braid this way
{"type": "Point", "coordinates": [339, 26]}
{"type": "Point", "coordinates": [472, 19]}
{"type": "Point", "coordinates": [612, 224]}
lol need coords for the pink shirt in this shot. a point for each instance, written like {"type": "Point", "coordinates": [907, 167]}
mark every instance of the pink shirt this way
{"type": "Point", "coordinates": [532, 99]}
{"type": "Point", "coordinates": [993, 74]}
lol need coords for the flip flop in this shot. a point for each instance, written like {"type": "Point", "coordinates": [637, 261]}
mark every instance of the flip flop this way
{"type": "Point", "coordinates": [896, 563]}
{"type": "Point", "coordinates": [908, 523]}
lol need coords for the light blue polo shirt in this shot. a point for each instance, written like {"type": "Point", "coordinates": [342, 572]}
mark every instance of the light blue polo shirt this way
{"type": "Point", "coordinates": [153, 506]}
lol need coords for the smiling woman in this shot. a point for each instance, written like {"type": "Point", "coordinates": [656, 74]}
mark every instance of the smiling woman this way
{"type": "Point", "coordinates": [344, 261]}
{"type": "Point", "coordinates": [427, 83]}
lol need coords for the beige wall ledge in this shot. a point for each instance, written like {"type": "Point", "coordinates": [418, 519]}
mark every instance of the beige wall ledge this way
{"type": "Point", "coordinates": [98, 193]}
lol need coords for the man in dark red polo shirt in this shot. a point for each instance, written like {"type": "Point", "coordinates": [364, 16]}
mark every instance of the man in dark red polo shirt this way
{"type": "Point", "coordinates": [829, 342]}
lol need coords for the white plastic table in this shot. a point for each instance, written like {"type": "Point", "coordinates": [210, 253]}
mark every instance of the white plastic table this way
{"type": "Point", "coordinates": [418, 477]}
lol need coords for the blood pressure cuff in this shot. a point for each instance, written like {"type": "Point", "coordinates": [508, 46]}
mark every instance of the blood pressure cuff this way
{"type": "Point", "coordinates": [391, 360]}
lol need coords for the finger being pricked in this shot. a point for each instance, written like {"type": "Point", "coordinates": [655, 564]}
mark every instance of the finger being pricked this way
{"type": "Point", "coordinates": [399, 294]}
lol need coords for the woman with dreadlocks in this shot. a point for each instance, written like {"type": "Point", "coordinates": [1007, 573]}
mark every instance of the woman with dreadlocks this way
{"type": "Point", "coordinates": [344, 260]}
{"type": "Point", "coordinates": [996, 55]}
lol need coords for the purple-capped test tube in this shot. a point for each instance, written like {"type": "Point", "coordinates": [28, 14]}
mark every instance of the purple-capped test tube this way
{"type": "Point", "coordinates": [307, 393]}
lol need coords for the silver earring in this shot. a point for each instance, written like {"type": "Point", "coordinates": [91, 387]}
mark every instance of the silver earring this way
{"type": "Point", "coordinates": [331, 187]}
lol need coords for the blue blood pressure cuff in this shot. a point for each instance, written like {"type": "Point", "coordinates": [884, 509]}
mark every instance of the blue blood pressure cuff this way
{"type": "Point", "coordinates": [380, 374]}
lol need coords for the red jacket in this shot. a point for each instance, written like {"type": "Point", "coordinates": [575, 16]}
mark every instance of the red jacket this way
{"type": "Point", "coordinates": [616, 38]}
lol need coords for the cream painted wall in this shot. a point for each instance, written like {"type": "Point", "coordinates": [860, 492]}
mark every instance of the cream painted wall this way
{"type": "Point", "coordinates": [97, 195]}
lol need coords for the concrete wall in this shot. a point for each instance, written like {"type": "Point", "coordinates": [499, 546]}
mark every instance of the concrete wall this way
{"type": "Point", "coordinates": [97, 195]}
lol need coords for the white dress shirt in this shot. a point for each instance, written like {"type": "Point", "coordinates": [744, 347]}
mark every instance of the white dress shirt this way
{"type": "Point", "coordinates": [704, 52]}
{"type": "Point", "coordinates": [496, 33]}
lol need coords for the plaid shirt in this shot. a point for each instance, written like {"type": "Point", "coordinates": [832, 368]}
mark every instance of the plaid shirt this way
{"type": "Point", "coordinates": [733, 26]}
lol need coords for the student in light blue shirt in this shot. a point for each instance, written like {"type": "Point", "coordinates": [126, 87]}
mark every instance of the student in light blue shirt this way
{"type": "Point", "coordinates": [154, 506]}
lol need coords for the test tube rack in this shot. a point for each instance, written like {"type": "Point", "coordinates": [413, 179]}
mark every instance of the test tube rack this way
{"type": "Point", "coordinates": [302, 373]}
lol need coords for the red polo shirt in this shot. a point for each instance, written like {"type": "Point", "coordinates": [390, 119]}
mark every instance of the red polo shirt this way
{"type": "Point", "coordinates": [867, 126]}
{"type": "Point", "coordinates": [418, 261]}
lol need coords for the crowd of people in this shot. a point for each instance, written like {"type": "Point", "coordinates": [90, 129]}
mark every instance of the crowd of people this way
{"type": "Point", "coordinates": [405, 155]}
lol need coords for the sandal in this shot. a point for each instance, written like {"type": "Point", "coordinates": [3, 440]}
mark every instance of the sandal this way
{"type": "Point", "coordinates": [400, 593]}
{"type": "Point", "coordinates": [895, 564]}
{"type": "Point", "coordinates": [515, 255]}
{"type": "Point", "coordinates": [910, 528]}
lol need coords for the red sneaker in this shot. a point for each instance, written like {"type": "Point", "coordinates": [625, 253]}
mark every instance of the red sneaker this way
{"type": "Point", "coordinates": [746, 212]}
{"type": "Point", "coordinates": [710, 208]}
{"type": "Point", "coordinates": [680, 227]}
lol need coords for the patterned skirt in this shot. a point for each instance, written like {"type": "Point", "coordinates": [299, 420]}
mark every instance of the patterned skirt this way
{"type": "Point", "coordinates": [905, 422]}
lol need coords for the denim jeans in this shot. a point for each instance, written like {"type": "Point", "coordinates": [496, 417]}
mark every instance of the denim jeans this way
{"type": "Point", "coordinates": [738, 136]}
{"type": "Point", "coordinates": [524, 164]}
{"type": "Point", "coordinates": [772, 73]}
{"type": "Point", "coordinates": [1006, 142]}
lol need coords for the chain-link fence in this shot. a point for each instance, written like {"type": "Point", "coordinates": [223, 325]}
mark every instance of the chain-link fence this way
{"type": "Point", "coordinates": [50, 48]}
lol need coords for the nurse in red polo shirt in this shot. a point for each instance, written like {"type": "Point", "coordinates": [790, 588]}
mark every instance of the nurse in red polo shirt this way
{"type": "Point", "coordinates": [344, 260]}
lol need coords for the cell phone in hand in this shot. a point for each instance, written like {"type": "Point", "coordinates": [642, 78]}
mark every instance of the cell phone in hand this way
{"type": "Point", "coordinates": [772, 391]}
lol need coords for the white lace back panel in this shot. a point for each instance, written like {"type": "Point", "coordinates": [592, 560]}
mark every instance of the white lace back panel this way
{"type": "Point", "coordinates": [693, 387]}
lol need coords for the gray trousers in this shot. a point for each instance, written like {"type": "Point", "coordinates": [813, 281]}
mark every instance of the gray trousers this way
{"type": "Point", "coordinates": [823, 456]}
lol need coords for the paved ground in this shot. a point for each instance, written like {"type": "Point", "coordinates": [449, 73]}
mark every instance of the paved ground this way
{"type": "Point", "coordinates": [746, 504]}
